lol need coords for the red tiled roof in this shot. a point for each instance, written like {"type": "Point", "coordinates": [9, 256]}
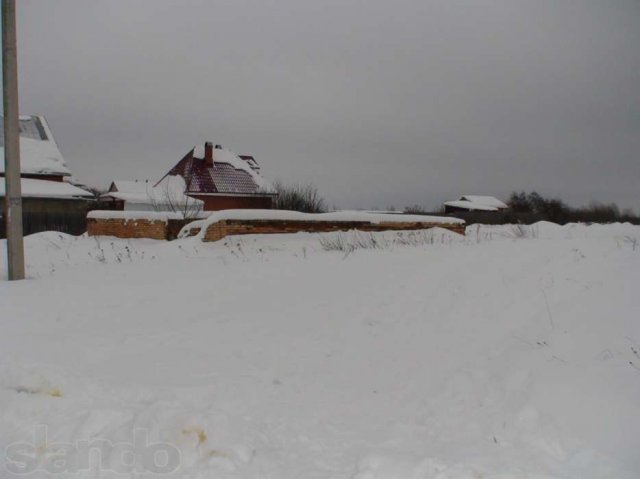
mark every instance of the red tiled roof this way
{"type": "Point", "coordinates": [220, 178]}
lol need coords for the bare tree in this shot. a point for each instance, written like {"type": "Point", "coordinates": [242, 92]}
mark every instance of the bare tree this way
{"type": "Point", "coordinates": [164, 198]}
{"type": "Point", "coordinates": [415, 210]}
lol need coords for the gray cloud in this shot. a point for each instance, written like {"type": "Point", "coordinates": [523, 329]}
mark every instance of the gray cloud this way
{"type": "Point", "coordinates": [377, 103]}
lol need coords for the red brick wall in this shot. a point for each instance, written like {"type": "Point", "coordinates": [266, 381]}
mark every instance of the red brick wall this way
{"type": "Point", "coordinates": [221, 229]}
{"type": "Point", "coordinates": [213, 203]}
{"type": "Point", "coordinates": [127, 228]}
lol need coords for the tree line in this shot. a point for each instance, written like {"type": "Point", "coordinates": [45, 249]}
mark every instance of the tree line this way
{"type": "Point", "coordinates": [523, 208]}
{"type": "Point", "coordinates": [556, 210]}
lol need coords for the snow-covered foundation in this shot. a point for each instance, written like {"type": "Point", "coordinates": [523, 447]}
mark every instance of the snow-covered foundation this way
{"type": "Point", "coordinates": [246, 222]}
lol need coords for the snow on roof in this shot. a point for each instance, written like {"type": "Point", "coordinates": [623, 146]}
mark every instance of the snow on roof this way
{"type": "Point", "coordinates": [39, 153]}
{"type": "Point", "coordinates": [166, 193]}
{"type": "Point", "coordinates": [221, 155]}
{"type": "Point", "coordinates": [484, 200]}
{"type": "Point", "coordinates": [230, 174]}
{"type": "Point", "coordinates": [467, 205]}
{"type": "Point", "coordinates": [477, 202]}
{"type": "Point", "coordinates": [251, 161]}
{"type": "Point", "coordinates": [32, 187]}
{"type": "Point", "coordinates": [342, 216]}
{"type": "Point", "coordinates": [132, 186]}
{"type": "Point", "coordinates": [133, 197]}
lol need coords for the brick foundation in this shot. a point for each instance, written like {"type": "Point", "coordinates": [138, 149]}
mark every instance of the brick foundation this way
{"type": "Point", "coordinates": [128, 228]}
{"type": "Point", "coordinates": [221, 229]}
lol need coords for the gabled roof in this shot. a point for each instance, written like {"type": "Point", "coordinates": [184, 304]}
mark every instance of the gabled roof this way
{"type": "Point", "coordinates": [484, 200]}
{"type": "Point", "coordinates": [39, 154]}
{"type": "Point", "coordinates": [230, 174]}
{"type": "Point", "coordinates": [477, 202]}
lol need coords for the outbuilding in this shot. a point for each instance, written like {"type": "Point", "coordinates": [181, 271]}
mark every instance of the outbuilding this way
{"type": "Point", "coordinates": [49, 200]}
{"type": "Point", "coordinates": [475, 203]}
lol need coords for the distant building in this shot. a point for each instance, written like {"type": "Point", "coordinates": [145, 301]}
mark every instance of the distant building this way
{"type": "Point", "coordinates": [144, 196]}
{"type": "Point", "coordinates": [221, 179]}
{"type": "Point", "coordinates": [471, 203]}
{"type": "Point", "coordinates": [129, 195]}
{"type": "Point", "coordinates": [49, 201]}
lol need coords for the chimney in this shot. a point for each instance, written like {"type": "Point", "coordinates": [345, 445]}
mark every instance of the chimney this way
{"type": "Point", "coordinates": [208, 153]}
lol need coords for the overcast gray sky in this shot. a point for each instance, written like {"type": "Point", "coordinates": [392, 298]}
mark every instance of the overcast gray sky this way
{"type": "Point", "coordinates": [376, 103]}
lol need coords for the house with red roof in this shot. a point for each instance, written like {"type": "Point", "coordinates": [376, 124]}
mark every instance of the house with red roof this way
{"type": "Point", "coordinates": [207, 178]}
{"type": "Point", "coordinates": [222, 179]}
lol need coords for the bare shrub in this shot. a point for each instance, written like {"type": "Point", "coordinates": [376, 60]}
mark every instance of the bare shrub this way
{"type": "Point", "coordinates": [415, 210]}
{"type": "Point", "coordinates": [632, 241]}
{"type": "Point", "coordinates": [298, 197]}
{"type": "Point", "coordinates": [348, 242]}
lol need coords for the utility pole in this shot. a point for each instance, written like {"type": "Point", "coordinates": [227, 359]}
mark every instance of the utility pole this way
{"type": "Point", "coordinates": [13, 190]}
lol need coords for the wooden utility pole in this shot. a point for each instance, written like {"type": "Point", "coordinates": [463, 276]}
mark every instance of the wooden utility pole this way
{"type": "Point", "coordinates": [13, 191]}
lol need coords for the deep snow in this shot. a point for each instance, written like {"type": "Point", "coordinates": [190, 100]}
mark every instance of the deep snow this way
{"type": "Point", "coordinates": [511, 352]}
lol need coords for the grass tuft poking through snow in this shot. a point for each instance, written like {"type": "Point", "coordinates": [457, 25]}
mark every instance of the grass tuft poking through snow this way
{"type": "Point", "coordinates": [348, 242]}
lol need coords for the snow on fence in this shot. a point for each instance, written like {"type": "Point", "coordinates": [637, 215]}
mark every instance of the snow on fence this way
{"type": "Point", "coordinates": [166, 225]}
{"type": "Point", "coordinates": [245, 222]}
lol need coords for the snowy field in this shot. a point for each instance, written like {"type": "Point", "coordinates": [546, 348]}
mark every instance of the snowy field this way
{"type": "Point", "coordinates": [513, 351]}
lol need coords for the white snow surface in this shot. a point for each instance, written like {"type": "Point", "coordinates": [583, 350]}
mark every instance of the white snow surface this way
{"type": "Point", "coordinates": [511, 351]}
{"type": "Point", "coordinates": [32, 187]}
{"type": "Point", "coordinates": [133, 215]}
{"type": "Point", "coordinates": [343, 216]}
{"type": "Point", "coordinates": [39, 156]}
